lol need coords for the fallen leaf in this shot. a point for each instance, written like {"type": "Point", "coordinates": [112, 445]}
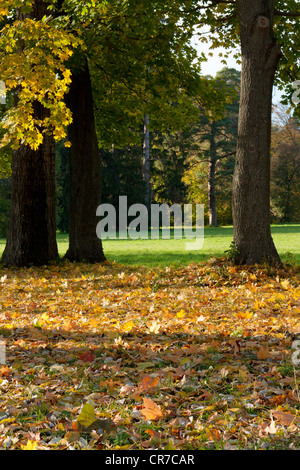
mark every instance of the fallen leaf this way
{"type": "Point", "coordinates": [4, 371]}
{"type": "Point", "coordinates": [86, 417]}
{"type": "Point", "coordinates": [150, 409]}
{"type": "Point", "coordinates": [263, 353]}
{"type": "Point", "coordinates": [148, 383]}
{"type": "Point", "coordinates": [87, 357]}
{"type": "Point", "coordinates": [285, 418]}
{"type": "Point", "coordinates": [31, 445]}
{"type": "Point", "coordinates": [181, 314]}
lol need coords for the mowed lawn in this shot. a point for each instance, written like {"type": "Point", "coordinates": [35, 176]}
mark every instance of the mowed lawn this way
{"type": "Point", "coordinates": [173, 252]}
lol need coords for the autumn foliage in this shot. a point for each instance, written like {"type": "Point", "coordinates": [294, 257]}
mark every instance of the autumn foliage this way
{"type": "Point", "coordinates": [115, 357]}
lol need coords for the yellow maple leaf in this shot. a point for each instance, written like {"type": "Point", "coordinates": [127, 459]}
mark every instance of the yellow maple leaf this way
{"type": "Point", "coordinates": [31, 445]}
{"type": "Point", "coordinates": [128, 326]}
{"type": "Point", "coordinates": [181, 314]}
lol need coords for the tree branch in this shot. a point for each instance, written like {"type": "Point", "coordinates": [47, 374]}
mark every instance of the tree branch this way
{"type": "Point", "coordinates": [292, 14]}
{"type": "Point", "coordinates": [208, 159]}
{"type": "Point", "coordinates": [210, 5]}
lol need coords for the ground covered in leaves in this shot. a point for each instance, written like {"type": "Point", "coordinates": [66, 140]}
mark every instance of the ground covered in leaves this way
{"type": "Point", "coordinates": [113, 357]}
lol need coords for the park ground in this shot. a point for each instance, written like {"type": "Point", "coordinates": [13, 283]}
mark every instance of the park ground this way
{"type": "Point", "coordinates": [156, 349]}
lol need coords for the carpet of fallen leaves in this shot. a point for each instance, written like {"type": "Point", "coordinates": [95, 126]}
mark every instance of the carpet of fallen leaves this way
{"type": "Point", "coordinates": [116, 357]}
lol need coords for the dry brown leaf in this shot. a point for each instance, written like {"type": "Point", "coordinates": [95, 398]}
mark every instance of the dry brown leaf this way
{"type": "Point", "coordinates": [150, 409]}
{"type": "Point", "coordinates": [263, 353]}
{"type": "Point", "coordinates": [147, 384]}
{"type": "Point", "coordinates": [285, 418]}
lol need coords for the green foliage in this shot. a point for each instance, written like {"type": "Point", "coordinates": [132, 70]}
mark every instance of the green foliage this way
{"type": "Point", "coordinates": [122, 175]}
{"type": "Point", "coordinates": [220, 18]}
{"type": "Point", "coordinates": [169, 163]}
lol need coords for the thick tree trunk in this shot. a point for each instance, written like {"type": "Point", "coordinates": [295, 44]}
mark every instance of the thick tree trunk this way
{"type": "Point", "coordinates": [251, 183]}
{"type": "Point", "coordinates": [31, 238]}
{"type": "Point", "coordinates": [85, 173]}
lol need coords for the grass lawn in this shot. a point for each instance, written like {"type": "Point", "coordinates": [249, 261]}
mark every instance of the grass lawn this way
{"type": "Point", "coordinates": [173, 252]}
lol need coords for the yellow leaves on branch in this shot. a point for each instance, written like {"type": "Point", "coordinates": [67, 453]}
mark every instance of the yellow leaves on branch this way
{"type": "Point", "coordinates": [33, 66]}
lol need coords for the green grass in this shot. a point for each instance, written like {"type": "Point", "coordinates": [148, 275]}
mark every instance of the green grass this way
{"type": "Point", "coordinates": [166, 252]}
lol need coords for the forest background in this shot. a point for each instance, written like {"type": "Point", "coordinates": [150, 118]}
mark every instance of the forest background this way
{"type": "Point", "coordinates": [191, 166]}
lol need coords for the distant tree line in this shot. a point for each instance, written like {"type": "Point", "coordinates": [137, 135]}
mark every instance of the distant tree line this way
{"type": "Point", "coordinates": [191, 166]}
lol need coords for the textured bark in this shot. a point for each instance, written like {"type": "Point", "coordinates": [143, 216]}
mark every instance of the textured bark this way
{"type": "Point", "coordinates": [31, 238]}
{"type": "Point", "coordinates": [146, 162]}
{"type": "Point", "coordinates": [251, 183]}
{"type": "Point", "coordinates": [211, 177]}
{"type": "Point", "coordinates": [85, 173]}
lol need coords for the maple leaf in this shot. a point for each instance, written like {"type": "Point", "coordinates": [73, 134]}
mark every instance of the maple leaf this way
{"type": "Point", "coordinates": [4, 371]}
{"type": "Point", "coordinates": [31, 445]}
{"type": "Point", "coordinates": [147, 384]}
{"type": "Point", "coordinates": [263, 353]}
{"type": "Point", "coordinates": [87, 357]}
{"type": "Point", "coordinates": [150, 409]}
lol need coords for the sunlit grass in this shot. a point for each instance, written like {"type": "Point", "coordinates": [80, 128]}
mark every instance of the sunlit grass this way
{"type": "Point", "coordinates": [173, 252]}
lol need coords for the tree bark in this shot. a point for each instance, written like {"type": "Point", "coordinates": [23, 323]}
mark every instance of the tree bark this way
{"type": "Point", "coordinates": [211, 177]}
{"type": "Point", "coordinates": [85, 173]}
{"type": "Point", "coordinates": [251, 182]}
{"type": "Point", "coordinates": [146, 162]}
{"type": "Point", "coordinates": [31, 238]}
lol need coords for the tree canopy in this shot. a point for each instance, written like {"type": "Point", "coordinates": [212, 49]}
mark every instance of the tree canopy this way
{"type": "Point", "coordinates": [139, 54]}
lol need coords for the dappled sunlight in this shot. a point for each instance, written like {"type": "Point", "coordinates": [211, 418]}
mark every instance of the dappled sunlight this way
{"type": "Point", "coordinates": [202, 352]}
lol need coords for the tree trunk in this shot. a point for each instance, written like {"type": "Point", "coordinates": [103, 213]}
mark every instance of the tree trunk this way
{"type": "Point", "coordinates": [31, 238]}
{"type": "Point", "coordinates": [146, 162]}
{"type": "Point", "coordinates": [85, 173]}
{"type": "Point", "coordinates": [212, 193]}
{"type": "Point", "coordinates": [251, 182]}
{"type": "Point", "coordinates": [211, 177]}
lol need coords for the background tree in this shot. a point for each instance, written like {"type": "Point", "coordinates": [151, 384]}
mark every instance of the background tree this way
{"type": "Point", "coordinates": [285, 167]}
{"type": "Point", "coordinates": [252, 26]}
{"type": "Point", "coordinates": [85, 172]}
{"type": "Point", "coordinates": [216, 140]}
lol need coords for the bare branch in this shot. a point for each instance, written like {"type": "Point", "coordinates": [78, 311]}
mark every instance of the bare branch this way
{"type": "Point", "coordinates": [208, 159]}
{"type": "Point", "coordinates": [292, 14]}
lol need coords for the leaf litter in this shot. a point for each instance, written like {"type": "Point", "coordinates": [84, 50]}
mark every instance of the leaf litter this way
{"type": "Point", "coordinates": [115, 357]}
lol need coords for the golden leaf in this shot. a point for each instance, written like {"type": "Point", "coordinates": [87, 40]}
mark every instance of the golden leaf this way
{"type": "Point", "coordinates": [31, 445]}
{"type": "Point", "coordinates": [150, 409]}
